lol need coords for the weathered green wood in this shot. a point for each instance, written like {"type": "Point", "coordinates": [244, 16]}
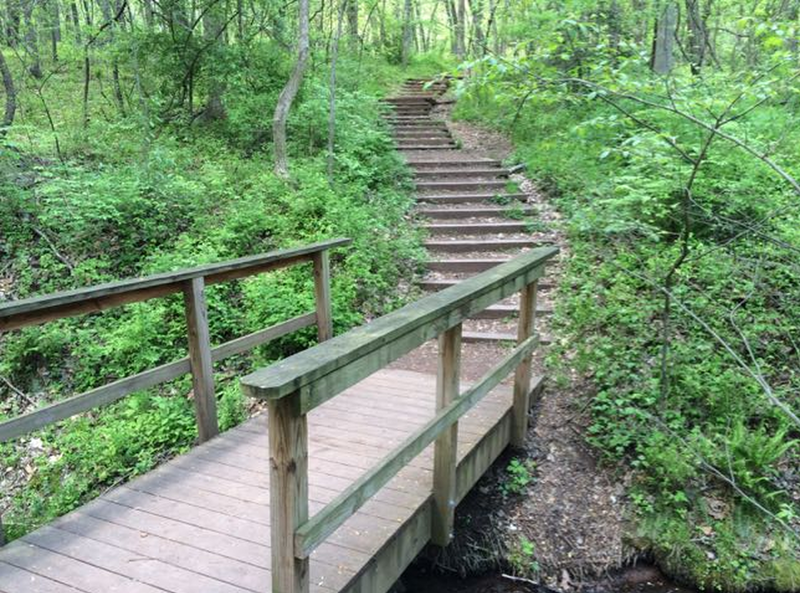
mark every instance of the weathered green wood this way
{"type": "Point", "coordinates": [288, 493]}
{"type": "Point", "coordinates": [107, 394]}
{"type": "Point", "coordinates": [314, 531]}
{"type": "Point", "coordinates": [205, 401]}
{"type": "Point", "coordinates": [445, 450]}
{"type": "Point", "coordinates": [325, 370]}
{"type": "Point", "coordinates": [37, 310]}
{"type": "Point", "coordinates": [322, 295]}
{"type": "Point", "coordinates": [522, 375]}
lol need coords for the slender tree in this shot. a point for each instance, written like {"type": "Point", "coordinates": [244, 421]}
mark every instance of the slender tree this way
{"type": "Point", "coordinates": [289, 92]}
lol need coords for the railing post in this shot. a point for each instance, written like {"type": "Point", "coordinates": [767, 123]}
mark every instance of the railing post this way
{"type": "Point", "coordinates": [288, 492]}
{"type": "Point", "coordinates": [322, 295]}
{"type": "Point", "coordinates": [446, 446]}
{"type": "Point", "coordinates": [522, 376]}
{"type": "Point", "coordinates": [205, 402]}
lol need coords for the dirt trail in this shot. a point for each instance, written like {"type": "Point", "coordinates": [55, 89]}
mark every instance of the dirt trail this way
{"type": "Point", "coordinates": [479, 213]}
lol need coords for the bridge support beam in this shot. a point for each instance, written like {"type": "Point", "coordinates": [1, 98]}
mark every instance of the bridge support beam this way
{"type": "Point", "coordinates": [522, 376]}
{"type": "Point", "coordinates": [288, 492]}
{"type": "Point", "coordinates": [446, 446]}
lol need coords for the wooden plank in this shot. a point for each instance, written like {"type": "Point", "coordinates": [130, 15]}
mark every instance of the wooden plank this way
{"type": "Point", "coordinates": [133, 565]}
{"type": "Point", "coordinates": [288, 449]}
{"type": "Point", "coordinates": [37, 310]}
{"type": "Point", "coordinates": [63, 569]}
{"type": "Point", "coordinates": [314, 531]}
{"type": "Point", "coordinates": [17, 580]}
{"type": "Point", "coordinates": [322, 295]}
{"type": "Point", "coordinates": [522, 375]}
{"type": "Point", "coordinates": [107, 394]}
{"type": "Point", "coordinates": [205, 401]}
{"type": "Point", "coordinates": [446, 445]}
{"type": "Point", "coordinates": [404, 329]}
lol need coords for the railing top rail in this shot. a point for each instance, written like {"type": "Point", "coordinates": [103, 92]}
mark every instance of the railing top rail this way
{"type": "Point", "coordinates": [96, 298]}
{"type": "Point", "coordinates": [414, 324]}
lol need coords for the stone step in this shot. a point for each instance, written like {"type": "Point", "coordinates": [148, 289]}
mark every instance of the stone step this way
{"type": "Point", "coordinates": [478, 245]}
{"type": "Point", "coordinates": [452, 213]}
{"type": "Point", "coordinates": [460, 185]}
{"type": "Point", "coordinates": [477, 228]}
{"type": "Point", "coordinates": [442, 165]}
{"type": "Point", "coordinates": [462, 172]}
{"type": "Point", "coordinates": [471, 198]}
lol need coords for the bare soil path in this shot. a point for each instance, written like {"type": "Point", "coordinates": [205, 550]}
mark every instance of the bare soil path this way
{"type": "Point", "coordinates": [478, 213]}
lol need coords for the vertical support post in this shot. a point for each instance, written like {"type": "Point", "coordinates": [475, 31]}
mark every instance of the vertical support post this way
{"type": "Point", "coordinates": [446, 446]}
{"type": "Point", "coordinates": [522, 375]}
{"type": "Point", "coordinates": [322, 295]}
{"type": "Point", "coordinates": [2, 532]}
{"type": "Point", "coordinates": [205, 401]}
{"type": "Point", "coordinates": [288, 492]}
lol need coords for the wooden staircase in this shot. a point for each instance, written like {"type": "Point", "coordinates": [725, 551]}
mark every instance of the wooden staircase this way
{"type": "Point", "coordinates": [475, 214]}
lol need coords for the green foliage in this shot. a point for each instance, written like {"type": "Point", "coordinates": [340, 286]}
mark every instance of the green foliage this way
{"type": "Point", "coordinates": [522, 558]}
{"type": "Point", "coordinates": [135, 200]}
{"type": "Point", "coordinates": [714, 495]}
{"type": "Point", "coordinates": [519, 474]}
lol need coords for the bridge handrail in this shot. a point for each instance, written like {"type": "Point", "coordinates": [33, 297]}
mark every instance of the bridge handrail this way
{"type": "Point", "coordinates": [298, 384]}
{"type": "Point", "coordinates": [191, 282]}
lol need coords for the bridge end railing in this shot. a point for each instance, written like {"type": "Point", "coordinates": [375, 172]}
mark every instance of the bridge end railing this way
{"type": "Point", "coordinates": [300, 383]}
{"type": "Point", "coordinates": [191, 282]}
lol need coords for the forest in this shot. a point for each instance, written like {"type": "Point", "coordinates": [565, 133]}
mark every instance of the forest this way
{"type": "Point", "coordinates": [142, 136]}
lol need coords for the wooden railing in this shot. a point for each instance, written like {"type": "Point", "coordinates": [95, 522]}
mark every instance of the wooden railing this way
{"type": "Point", "coordinates": [191, 282]}
{"type": "Point", "coordinates": [295, 386]}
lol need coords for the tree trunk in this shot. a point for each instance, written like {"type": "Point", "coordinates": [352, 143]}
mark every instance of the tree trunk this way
{"type": "Point", "coordinates": [661, 59]}
{"type": "Point", "coordinates": [461, 16]}
{"type": "Point", "coordinates": [32, 40]}
{"type": "Point", "coordinates": [332, 90]}
{"type": "Point", "coordinates": [352, 21]}
{"type": "Point", "coordinates": [213, 32]}
{"type": "Point", "coordinates": [478, 41]}
{"type": "Point", "coordinates": [408, 33]}
{"type": "Point", "coordinates": [12, 22]}
{"type": "Point", "coordinates": [11, 95]}
{"type": "Point", "coordinates": [698, 36]}
{"type": "Point", "coordinates": [289, 92]}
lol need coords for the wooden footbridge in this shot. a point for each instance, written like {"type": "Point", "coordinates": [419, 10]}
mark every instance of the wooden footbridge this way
{"type": "Point", "coordinates": [351, 472]}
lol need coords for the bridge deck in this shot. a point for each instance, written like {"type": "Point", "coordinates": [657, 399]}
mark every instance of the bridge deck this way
{"type": "Point", "coordinates": [201, 521]}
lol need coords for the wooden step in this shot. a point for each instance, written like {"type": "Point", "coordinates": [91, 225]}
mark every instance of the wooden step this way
{"type": "Point", "coordinates": [462, 172]}
{"type": "Point", "coordinates": [471, 198]}
{"type": "Point", "coordinates": [423, 136]}
{"type": "Point", "coordinates": [427, 147]}
{"type": "Point", "coordinates": [486, 337]}
{"type": "Point", "coordinates": [426, 141]}
{"type": "Point", "coordinates": [453, 213]}
{"type": "Point", "coordinates": [507, 311]}
{"type": "Point", "coordinates": [448, 165]}
{"type": "Point", "coordinates": [455, 266]}
{"type": "Point", "coordinates": [460, 185]}
{"type": "Point", "coordinates": [461, 246]}
{"type": "Point", "coordinates": [421, 131]}
{"type": "Point", "coordinates": [435, 285]}
{"type": "Point", "coordinates": [477, 228]}
{"type": "Point", "coordinates": [494, 338]}
{"type": "Point", "coordinates": [421, 99]}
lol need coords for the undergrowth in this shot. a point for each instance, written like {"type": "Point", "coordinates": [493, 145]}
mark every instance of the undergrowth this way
{"type": "Point", "coordinates": [131, 200]}
{"type": "Point", "coordinates": [716, 489]}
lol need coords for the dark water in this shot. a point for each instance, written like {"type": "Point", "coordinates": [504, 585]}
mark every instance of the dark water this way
{"type": "Point", "coordinates": [639, 579]}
